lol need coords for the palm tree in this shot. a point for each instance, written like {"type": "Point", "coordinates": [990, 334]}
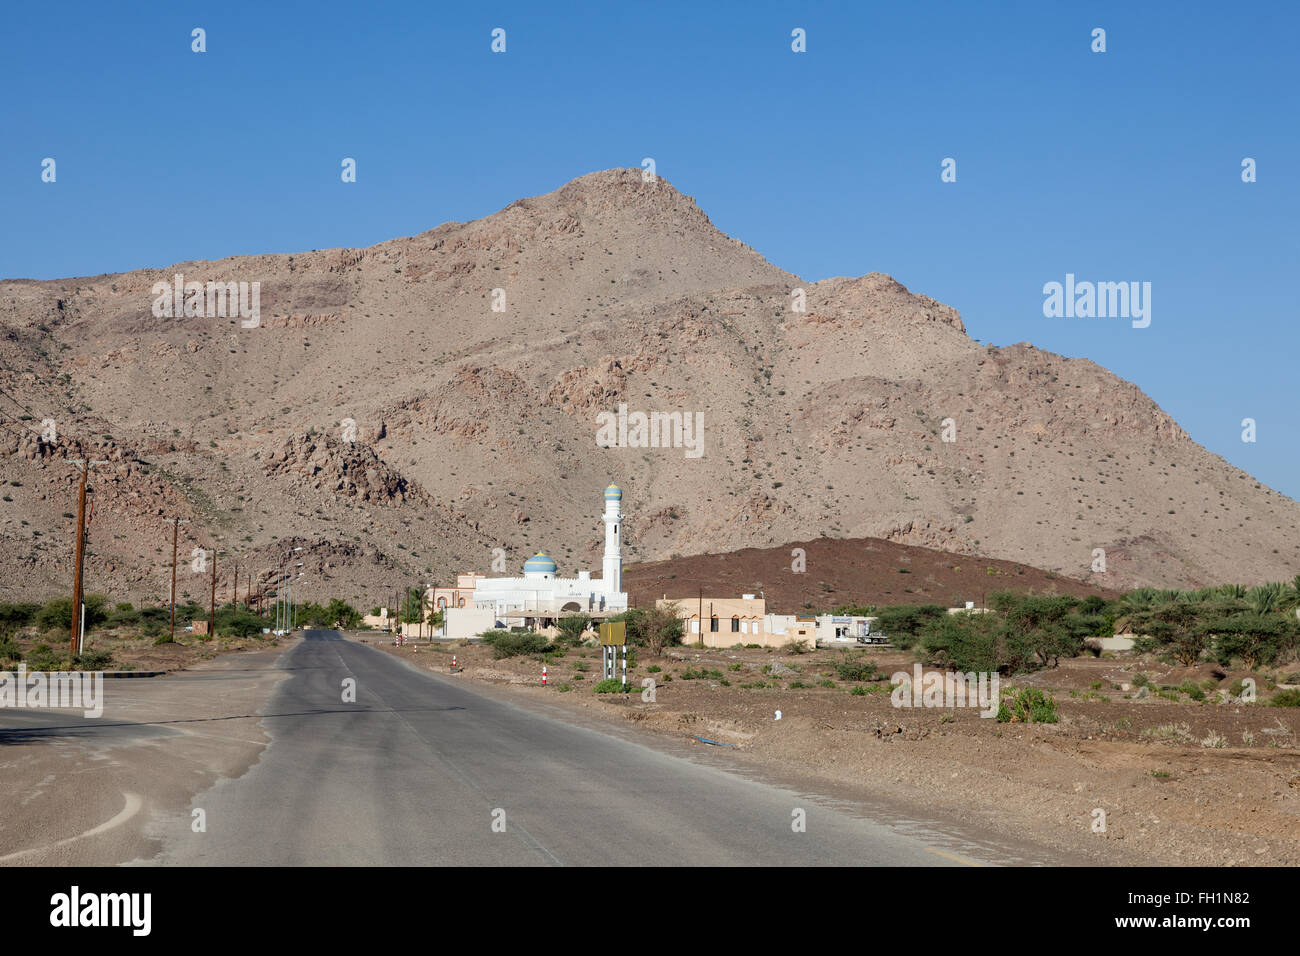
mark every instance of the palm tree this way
{"type": "Point", "coordinates": [1140, 598]}
{"type": "Point", "coordinates": [1267, 597]}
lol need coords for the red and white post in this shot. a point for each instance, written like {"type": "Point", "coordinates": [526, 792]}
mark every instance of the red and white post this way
{"type": "Point", "coordinates": [543, 675]}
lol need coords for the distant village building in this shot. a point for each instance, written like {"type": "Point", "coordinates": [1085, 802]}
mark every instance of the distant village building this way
{"type": "Point", "coordinates": [540, 597]}
{"type": "Point", "coordinates": [726, 622]}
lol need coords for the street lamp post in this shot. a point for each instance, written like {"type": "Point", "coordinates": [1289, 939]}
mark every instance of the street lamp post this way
{"type": "Point", "coordinates": [281, 617]}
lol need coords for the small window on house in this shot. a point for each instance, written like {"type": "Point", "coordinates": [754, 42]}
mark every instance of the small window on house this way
{"type": "Point", "coordinates": [735, 625]}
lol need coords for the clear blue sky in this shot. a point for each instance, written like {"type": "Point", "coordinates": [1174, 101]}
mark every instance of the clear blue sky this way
{"type": "Point", "coordinates": [1116, 166]}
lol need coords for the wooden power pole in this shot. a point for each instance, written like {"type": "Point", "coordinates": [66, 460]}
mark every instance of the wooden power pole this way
{"type": "Point", "coordinates": [80, 554]}
{"type": "Point", "coordinates": [176, 527]}
{"type": "Point", "coordinates": [212, 614]}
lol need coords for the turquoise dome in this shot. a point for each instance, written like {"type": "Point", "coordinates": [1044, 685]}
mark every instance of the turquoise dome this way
{"type": "Point", "coordinates": [613, 493]}
{"type": "Point", "coordinates": [540, 563]}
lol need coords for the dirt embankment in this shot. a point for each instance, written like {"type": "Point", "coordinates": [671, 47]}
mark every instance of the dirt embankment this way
{"type": "Point", "coordinates": [833, 572]}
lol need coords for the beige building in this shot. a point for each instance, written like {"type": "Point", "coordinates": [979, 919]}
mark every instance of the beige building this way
{"type": "Point", "coordinates": [725, 622]}
{"type": "Point", "coordinates": [462, 595]}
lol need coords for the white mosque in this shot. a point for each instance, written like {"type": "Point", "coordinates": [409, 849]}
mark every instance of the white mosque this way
{"type": "Point", "coordinates": [541, 595]}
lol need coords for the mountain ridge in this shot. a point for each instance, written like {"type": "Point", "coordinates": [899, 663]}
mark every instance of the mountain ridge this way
{"type": "Point", "coordinates": [827, 422]}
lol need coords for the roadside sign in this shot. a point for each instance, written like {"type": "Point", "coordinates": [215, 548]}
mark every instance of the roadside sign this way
{"type": "Point", "coordinates": [613, 632]}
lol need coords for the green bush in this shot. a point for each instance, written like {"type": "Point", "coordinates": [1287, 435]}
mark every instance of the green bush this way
{"type": "Point", "coordinates": [43, 658]}
{"type": "Point", "coordinates": [9, 650]}
{"type": "Point", "coordinates": [858, 668]}
{"type": "Point", "coordinates": [571, 627]}
{"type": "Point", "coordinates": [92, 660]}
{"type": "Point", "coordinates": [124, 616]}
{"type": "Point", "coordinates": [1285, 698]}
{"type": "Point", "coordinates": [702, 674]}
{"type": "Point", "coordinates": [57, 614]}
{"type": "Point", "coordinates": [17, 615]}
{"type": "Point", "coordinates": [611, 685]}
{"type": "Point", "coordinates": [1192, 690]}
{"type": "Point", "coordinates": [232, 623]}
{"type": "Point", "coordinates": [1027, 705]}
{"type": "Point", "coordinates": [903, 623]}
{"type": "Point", "coordinates": [513, 644]}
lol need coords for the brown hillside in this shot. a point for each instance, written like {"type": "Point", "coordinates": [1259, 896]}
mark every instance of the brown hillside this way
{"type": "Point", "coordinates": [843, 572]}
{"type": "Point", "coordinates": [476, 429]}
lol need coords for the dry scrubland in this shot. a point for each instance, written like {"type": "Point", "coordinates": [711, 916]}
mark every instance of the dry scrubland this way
{"type": "Point", "coordinates": [127, 650]}
{"type": "Point", "coordinates": [1184, 781]}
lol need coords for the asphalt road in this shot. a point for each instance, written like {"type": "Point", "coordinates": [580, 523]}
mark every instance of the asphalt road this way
{"type": "Point", "coordinates": [421, 770]}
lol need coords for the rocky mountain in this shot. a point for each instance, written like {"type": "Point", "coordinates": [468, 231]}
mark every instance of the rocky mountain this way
{"type": "Point", "coordinates": [434, 402]}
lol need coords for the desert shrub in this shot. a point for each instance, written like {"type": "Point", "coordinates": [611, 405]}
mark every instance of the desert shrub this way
{"type": "Point", "coordinates": [513, 644]}
{"type": "Point", "coordinates": [1257, 639]}
{"type": "Point", "coordinates": [123, 616]}
{"type": "Point", "coordinates": [240, 623]}
{"type": "Point", "coordinates": [92, 660]}
{"type": "Point", "coordinates": [611, 685]}
{"type": "Point", "coordinates": [1141, 679]}
{"type": "Point", "coordinates": [57, 614]}
{"type": "Point", "coordinates": [795, 647]}
{"type": "Point", "coordinates": [857, 668]}
{"type": "Point", "coordinates": [903, 623]}
{"type": "Point", "coordinates": [1043, 628]}
{"type": "Point", "coordinates": [1171, 629]}
{"type": "Point", "coordinates": [859, 691]}
{"type": "Point", "coordinates": [1285, 698]}
{"type": "Point", "coordinates": [571, 627]}
{"type": "Point", "coordinates": [702, 674]}
{"type": "Point", "coordinates": [17, 615]}
{"type": "Point", "coordinates": [43, 658]}
{"type": "Point", "coordinates": [973, 642]}
{"type": "Point", "coordinates": [1027, 705]}
{"type": "Point", "coordinates": [653, 627]}
{"type": "Point", "coordinates": [9, 650]}
{"type": "Point", "coordinates": [339, 613]}
{"type": "Point", "coordinates": [1192, 690]}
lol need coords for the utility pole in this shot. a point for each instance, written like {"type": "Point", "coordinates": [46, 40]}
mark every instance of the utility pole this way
{"type": "Point", "coordinates": [176, 527]}
{"type": "Point", "coordinates": [212, 614]}
{"type": "Point", "coordinates": [234, 588]}
{"type": "Point", "coordinates": [701, 614]}
{"type": "Point", "coordinates": [80, 555]}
